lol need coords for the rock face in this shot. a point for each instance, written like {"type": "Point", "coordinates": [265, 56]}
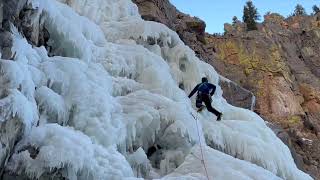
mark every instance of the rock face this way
{"type": "Point", "coordinates": [239, 96]}
{"type": "Point", "coordinates": [5, 44]}
{"type": "Point", "coordinates": [192, 31]}
{"type": "Point", "coordinates": [5, 36]}
{"type": "Point", "coordinates": [26, 18]}
{"type": "Point", "coordinates": [279, 63]}
{"type": "Point", "coordinates": [11, 131]}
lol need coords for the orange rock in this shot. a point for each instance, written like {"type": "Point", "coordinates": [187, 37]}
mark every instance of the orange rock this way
{"type": "Point", "coordinates": [283, 101]}
{"type": "Point", "coordinates": [311, 98]}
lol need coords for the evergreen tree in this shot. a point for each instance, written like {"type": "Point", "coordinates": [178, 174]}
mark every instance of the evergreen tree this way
{"type": "Point", "coordinates": [234, 20]}
{"type": "Point", "coordinates": [250, 15]}
{"type": "Point", "coordinates": [316, 9]}
{"type": "Point", "coordinates": [299, 10]}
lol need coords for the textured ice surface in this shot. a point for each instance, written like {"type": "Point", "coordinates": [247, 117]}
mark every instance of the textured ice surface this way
{"type": "Point", "coordinates": [219, 166]}
{"type": "Point", "coordinates": [111, 91]}
{"type": "Point", "coordinates": [65, 148]}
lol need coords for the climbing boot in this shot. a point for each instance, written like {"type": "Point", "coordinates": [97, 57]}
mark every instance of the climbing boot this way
{"type": "Point", "coordinates": [219, 117]}
{"type": "Point", "coordinates": [201, 108]}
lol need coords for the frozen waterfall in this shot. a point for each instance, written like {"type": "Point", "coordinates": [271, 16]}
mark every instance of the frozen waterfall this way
{"type": "Point", "coordinates": [111, 91]}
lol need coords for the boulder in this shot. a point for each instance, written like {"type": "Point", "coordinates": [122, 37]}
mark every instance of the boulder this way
{"type": "Point", "coordinates": [236, 95]}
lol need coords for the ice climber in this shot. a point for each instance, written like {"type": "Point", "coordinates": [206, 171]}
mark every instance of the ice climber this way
{"type": "Point", "coordinates": [205, 91]}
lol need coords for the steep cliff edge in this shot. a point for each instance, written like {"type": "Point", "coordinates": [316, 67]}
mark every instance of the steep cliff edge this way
{"type": "Point", "coordinates": [279, 63]}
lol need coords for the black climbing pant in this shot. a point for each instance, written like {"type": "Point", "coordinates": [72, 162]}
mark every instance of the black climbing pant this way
{"type": "Point", "coordinates": [206, 98]}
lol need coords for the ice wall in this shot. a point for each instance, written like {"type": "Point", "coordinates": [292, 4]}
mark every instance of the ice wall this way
{"type": "Point", "coordinates": [111, 91]}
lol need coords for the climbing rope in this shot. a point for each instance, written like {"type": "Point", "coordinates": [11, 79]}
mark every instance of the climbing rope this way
{"type": "Point", "coordinates": [202, 156]}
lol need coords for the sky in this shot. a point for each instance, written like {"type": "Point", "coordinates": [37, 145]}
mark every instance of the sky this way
{"type": "Point", "coordinates": [217, 12]}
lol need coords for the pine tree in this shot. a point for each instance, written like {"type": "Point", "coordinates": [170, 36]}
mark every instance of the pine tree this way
{"type": "Point", "coordinates": [234, 20]}
{"type": "Point", "coordinates": [299, 10]}
{"type": "Point", "coordinates": [316, 9]}
{"type": "Point", "coordinates": [250, 15]}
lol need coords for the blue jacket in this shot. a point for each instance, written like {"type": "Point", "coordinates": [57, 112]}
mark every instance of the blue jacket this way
{"type": "Point", "coordinates": [205, 88]}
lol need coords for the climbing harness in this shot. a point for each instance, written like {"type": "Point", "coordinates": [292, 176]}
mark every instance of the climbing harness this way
{"type": "Point", "coordinates": [202, 156]}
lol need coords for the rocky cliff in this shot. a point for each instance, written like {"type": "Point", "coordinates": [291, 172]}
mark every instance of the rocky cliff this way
{"type": "Point", "coordinates": [279, 63]}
